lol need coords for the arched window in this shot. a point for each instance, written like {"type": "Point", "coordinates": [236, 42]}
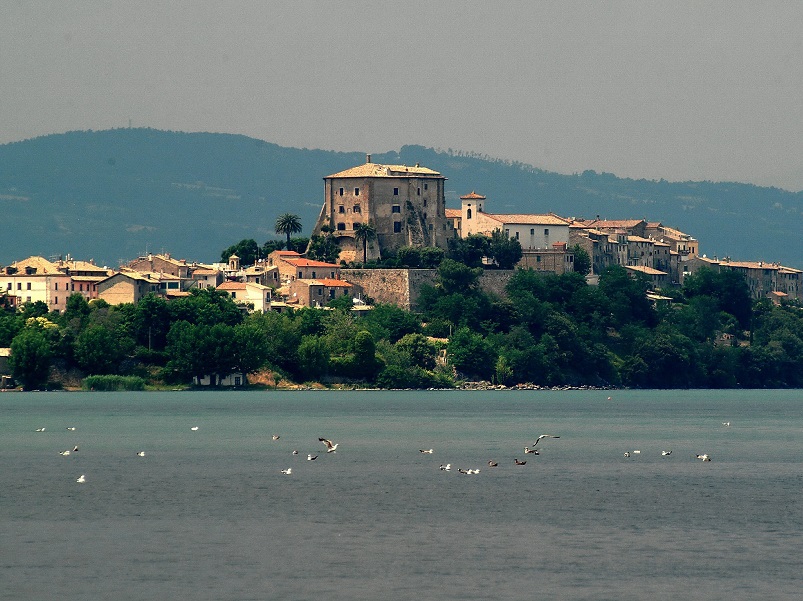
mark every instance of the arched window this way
{"type": "Point", "coordinates": [468, 214]}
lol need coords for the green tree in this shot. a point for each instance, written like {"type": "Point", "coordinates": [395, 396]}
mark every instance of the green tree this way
{"type": "Point", "coordinates": [505, 251]}
{"type": "Point", "coordinates": [97, 350]}
{"type": "Point", "coordinates": [247, 250]}
{"type": "Point", "coordinates": [582, 260]}
{"type": "Point", "coordinates": [30, 357]}
{"type": "Point", "coordinates": [288, 224]}
{"type": "Point", "coordinates": [470, 250]}
{"type": "Point", "coordinates": [313, 358]}
{"type": "Point", "coordinates": [323, 248]}
{"type": "Point", "coordinates": [470, 353]}
{"type": "Point", "coordinates": [363, 233]}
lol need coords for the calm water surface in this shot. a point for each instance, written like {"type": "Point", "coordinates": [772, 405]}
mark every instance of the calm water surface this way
{"type": "Point", "coordinates": [207, 514]}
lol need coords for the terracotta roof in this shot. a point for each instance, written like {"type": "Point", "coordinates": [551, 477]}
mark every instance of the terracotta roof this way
{"type": "Point", "coordinates": [522, 219]}
{"type": "Point", "coordinates": [645, 270]}
{"type": "Point", "coordinates": [377, 170]}
{"type": "Point", "coordinates": [205, 271]}
{"type": "Point", "coordinates": [749, 264]}
{"type": "Point", "coordinates": [329, 282]}
{"type": "Point", "coordinates": [232, 286]}
{"type": "Point", "coordinates": [452, 213]}
{"type": "Point", "coordinates": [616, 224]}
{"type": "Point", "coordinates": [42, 266]}
{"type": "Point", "coordinates": [310, 263]}
{"type": "Point", "coordinates": [472, 196]}
{"type": "Point", "coordinates": [638, 239]}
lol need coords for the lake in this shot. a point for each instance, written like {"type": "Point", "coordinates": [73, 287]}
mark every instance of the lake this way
{"type": "Point", "coordinates": [207, 513]}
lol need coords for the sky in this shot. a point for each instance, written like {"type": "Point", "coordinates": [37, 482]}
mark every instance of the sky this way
{"type": "Point", "coordinates": [682, 90]}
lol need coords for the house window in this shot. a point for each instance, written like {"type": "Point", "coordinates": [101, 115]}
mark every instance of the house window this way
{"type": "Point", "coordinates": [517, 235]}
{"type": "Point", "coordinates": [313, 275]}
{"type": "Point", "coordinates": [507, 233]}
{"type": "Point", "coordinates": [546, 231]}
{"type": "Point", "coordinates": [538, 258]}
{"type": "Point", "coordinates": [9, 286]}
{"type": "Point", "coordinates": [341, 209]}
{"type": "Point", "coordinates": [28, 285]}
{"type": "Point", "coordinates": [532, 231]}
{"type": "Point", "coordinates": [356, 208]}
{"type": "Point", "coordinates": [356, 191]}
{"type": "Point", "coordinates": [395, 191]}
{"type": "Point", "coordinates": [19, 285]}
{"type": "Point", "coordinates": [28, 299]}
{"type": "Point", "coordinates": [320, 291]}
{"type": "Point", "coordinates": [55, 301]}
{"type": "Point", "coordinates": [331, 292]}
{"type": "Point", "coordinates": [233, 294]}
{"type": "Point", "coordinates": [341, 226]}
{"type": "Point", "coordinates": [300, 275]}
{"type": "Point", "coordinates": [57, 286]}
{"type": "Point", "coordinates": [396, 209]}
{"type": "Point", "coordinates": [396, 227]}
{"type": "Point", "coordinates": [426, 186]}
{"type": "Point", "coordinates": [341, 191]}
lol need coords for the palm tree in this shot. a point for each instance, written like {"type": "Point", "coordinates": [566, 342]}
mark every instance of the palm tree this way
{"type": "Point", "coordinates": [288, 224]}
{"type": "Point", "coordinates": [363, 232]}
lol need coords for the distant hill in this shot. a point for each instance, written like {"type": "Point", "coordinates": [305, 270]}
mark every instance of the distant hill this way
{"type": "Point", "coordinates": [113, 195]}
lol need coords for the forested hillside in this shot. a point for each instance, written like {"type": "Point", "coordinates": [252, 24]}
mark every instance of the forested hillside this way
{"type": "Point", "coordinates": [112, 195]}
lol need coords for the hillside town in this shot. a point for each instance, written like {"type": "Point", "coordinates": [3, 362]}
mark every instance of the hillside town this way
{"type": "Point", "coordinates": [402, 207]}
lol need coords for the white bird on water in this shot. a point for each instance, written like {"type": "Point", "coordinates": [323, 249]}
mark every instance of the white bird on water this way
{"type": "Point", "coordinates": [71, 428]}
{"type": "Point", "coordinates": [330, 447]}
{"type": "Point", "coordinates": [426, 451]}
{"type": "Point", "coordinates": [531, 451]}
{"type": "Point", "coordinates": [81, 479]}
{"type": "Point", "coordinates": [140, 453]}
{"type": "Point", "coordinates": [311, 457]}
{"type": "Point", "coordinates": [665, 453]}
{"type": "Point", "coordinates": [194, 428]}
{"type": "Point", "coordinates": [288, 471]}
{"type": "Point", "coordinates": [40, 429]}
{"type": "Point", "coordinates": [65, 453]}
{"type": "Point", "coordinates": [726, 424]}
{"type": "Point", "coordinates": [275, 437]}
{"type": "Point", "coordinates": [446, 468]}
{"type": "Point", "coordinates": [627, 454]}
{"type": "Point", "coordinates": [704, 457]}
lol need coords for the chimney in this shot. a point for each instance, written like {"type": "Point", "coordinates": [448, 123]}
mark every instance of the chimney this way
{"type": "Point", "coordinates": [367, 158]}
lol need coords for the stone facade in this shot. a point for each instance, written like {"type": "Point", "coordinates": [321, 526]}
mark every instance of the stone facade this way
{"type": "Point", "coordinates": [405, 205]}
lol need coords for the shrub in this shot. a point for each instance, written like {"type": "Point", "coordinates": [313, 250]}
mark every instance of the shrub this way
{"type": "Point", "coordinates": [112, 383]}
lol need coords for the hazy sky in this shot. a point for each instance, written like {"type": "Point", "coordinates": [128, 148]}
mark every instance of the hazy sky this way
{"type": "Point", "coordinates": [676, 90]}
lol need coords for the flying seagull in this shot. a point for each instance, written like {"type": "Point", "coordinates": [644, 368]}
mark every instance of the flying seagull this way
{"type": "Point", "coordinates": [311, 457]}
{"type": "Point", "coordinates": [426, 451]}
{"type": "Point", "coordinates": [446, 468]}
{"type": "Point", "coordinates": [544, 436]}
{"type": "Point", "coordinates": [330, 447]}
{"type": "Point", "coordinates": [665, 453]}
{"type": "Point", "coordinates": [726, 424]}
{"type": "Point", "coordinates": [275, 437]}
{"type": "Point", "coordinates": [81, 479]}
{"type": "Point", "coordinates": [704, 457]}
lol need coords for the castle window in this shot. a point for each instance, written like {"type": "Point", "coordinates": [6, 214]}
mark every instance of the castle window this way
{"type": "Point", "coordinates": [395, 191]}
{"type": "Point", "coordinates": [430, 227]}
{"type": "Point", "coordinates": [356, 191]}
{"type": "Point", "coordinates": [56, 287]}
{"type": "Point", "coordinates": [425, 202]}
{"type": "Point", "coordinates": [341, 191]}
{"type": "Point", "coordinates": [426, 186]}
{"type": "Point", "coordinates": [341, 209]}
{"type": "Point", "coordinates": [396, 227]}
{"type": "Point", "coordinates": [341, 226]}
{"type": "Point", "coordinates": [396, 209]}
{"type": "Point", "coordinates": [419, 192]}
{"type": "Point", "coordinates": [468, 214]}
{"type": "Point", "coordinates": [356, 208]}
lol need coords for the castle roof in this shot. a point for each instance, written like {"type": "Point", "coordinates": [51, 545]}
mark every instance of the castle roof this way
{"type": "Point", "coordinates": [472, 196]}
{"type": "Point", "coordinates": [378, 170]}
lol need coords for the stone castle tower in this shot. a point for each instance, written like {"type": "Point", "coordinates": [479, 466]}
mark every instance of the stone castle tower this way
{"type": "Point", "coordinates": [405, 205]}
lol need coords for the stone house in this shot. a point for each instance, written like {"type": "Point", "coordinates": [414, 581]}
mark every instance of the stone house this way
{"type": "Point", "coordinates": [249, 293]}
{"type": "Point", "coordinates": [405, 205]}
{"type": "Point", "coordinates": [127, 287]}
{"type": "Point", "coordinates": [316, 292]}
